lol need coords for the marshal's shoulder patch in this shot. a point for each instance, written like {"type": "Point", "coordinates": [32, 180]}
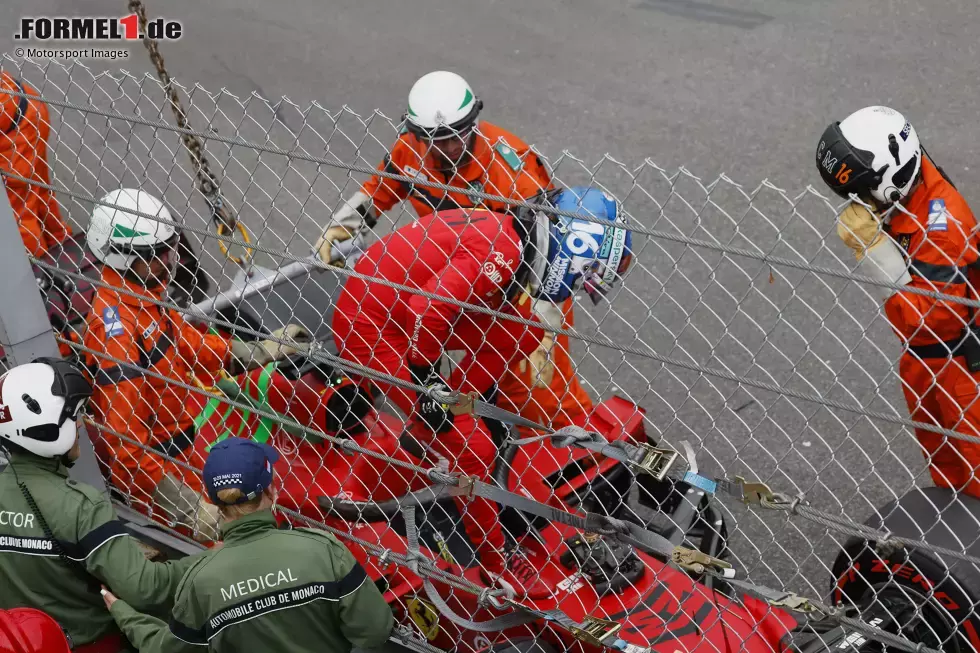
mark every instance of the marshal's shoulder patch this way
{"type": "Point", "coordinates": [508, 154]}
{"type": "Point", "coordinates": [938, 216]}
{"type": "Point", "coordinates": [112, 322]}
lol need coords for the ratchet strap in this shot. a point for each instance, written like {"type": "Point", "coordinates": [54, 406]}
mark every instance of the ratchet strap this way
{"type": "Point", "coordinates": [598, 632]}
{"type": "Point", "coordinates": [618, 529]}
{"type": "Point", "coordinates": [781, 598]}
{"type": "Point", "coordinates": [688, 560]}
{"type": "Point", "coordinates": [642, 458]}
{"type": "Point", "coordinates": [659, 462]}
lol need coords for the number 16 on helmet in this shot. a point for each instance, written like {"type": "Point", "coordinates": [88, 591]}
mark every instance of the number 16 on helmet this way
{"type": "Point", "coordinates": [582, 253]}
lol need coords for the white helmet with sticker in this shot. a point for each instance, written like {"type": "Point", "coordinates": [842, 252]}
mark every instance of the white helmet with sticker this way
{"type": "Point", "coordinates": [441, 105]}
{"type": "Point", "coordinates": [119, 238]}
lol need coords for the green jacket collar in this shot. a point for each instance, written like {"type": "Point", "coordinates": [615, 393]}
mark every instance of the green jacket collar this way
{"type": "Point", "coordinates": [24, 461]}
{"type": "Point", "coordinates": [247, 527]}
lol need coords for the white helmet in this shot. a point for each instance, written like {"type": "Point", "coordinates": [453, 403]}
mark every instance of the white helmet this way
{"type": "Point", "coordinates": [39, 403]}
{"type": "Point", "coordinates": [442, 105]}
{"type": "Point", "coordinates": [119, 238]}
{"type": "Point", "coordinates": [874, 152]}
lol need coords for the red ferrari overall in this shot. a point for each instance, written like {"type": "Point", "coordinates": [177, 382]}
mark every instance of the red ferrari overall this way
{"type": "Point", "coordinates": [467, 255]}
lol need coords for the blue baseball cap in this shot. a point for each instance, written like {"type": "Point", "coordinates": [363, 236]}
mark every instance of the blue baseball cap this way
{"type": "Point", "coordinates": [239, 463]}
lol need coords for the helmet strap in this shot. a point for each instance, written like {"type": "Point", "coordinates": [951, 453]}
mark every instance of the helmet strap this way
{"type": "Point", "coordinates": [149, 284]}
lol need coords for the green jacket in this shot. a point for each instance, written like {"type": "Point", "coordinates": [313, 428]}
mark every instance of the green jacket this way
{"type": "Point", "coordinates": [268, 590]}
{"type": "Point", "coordinates": [84, 524]}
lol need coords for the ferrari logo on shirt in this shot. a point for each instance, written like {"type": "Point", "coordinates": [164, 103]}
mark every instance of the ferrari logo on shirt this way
{"type": "Point", "coordinates": [424, 616]}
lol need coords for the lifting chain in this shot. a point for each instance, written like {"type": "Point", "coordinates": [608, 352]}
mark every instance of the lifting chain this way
{"type": "Point", "coordinates": [224, 220]}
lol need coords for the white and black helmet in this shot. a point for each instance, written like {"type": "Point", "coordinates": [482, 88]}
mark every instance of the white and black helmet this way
{"type": "Point", "coordinates": [39, 405]}
{"type": "Point", "coordinates": [873, 153]}
{"type": "Point", "coordinates": [119, 238]}
{"type": "Point", "coordinates": [442, 105]}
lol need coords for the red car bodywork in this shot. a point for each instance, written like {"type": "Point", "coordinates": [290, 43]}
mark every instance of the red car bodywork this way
{"type": "Point", "coordinates": [665, 609]}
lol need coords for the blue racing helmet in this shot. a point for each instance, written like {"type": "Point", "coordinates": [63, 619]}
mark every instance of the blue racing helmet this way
{"type": "Point", "coordinates": [582, 253]}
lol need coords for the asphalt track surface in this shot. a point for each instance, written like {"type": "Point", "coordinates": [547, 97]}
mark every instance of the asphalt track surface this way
{"type": "Point", "coordinates": [657, 99]}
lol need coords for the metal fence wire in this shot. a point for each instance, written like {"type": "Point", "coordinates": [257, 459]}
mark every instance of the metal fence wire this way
{"type": "Point", "coordinates": [744, 338]}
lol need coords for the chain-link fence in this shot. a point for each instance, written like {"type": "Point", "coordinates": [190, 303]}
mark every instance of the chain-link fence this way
{"type": "Point", "coordinates": [741, 338]}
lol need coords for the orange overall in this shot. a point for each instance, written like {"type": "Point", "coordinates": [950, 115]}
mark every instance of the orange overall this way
{"type": "Point", "coordinates": [24, 130]}
{"type": "Point", "coordinates": [500, 164]}
{"type": "Point", "coordinates": [133, 336]}
{"type": "Point", "coordinates": [940, 242]}
{"type": "Point", "coordinates": [557, 402]}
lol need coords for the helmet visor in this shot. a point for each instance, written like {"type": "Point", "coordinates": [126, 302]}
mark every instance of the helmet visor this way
{"type": "Point", "coordinates": [71, 385]}
{"type": "Point", "coordinates": [598, 279]}
{"type": "Point", "coordinates": [463, 128]}
{"type": "Point", "coordinates": [450, 150]}
{"type": "Point", "coordinates": [163, 250]}
{"type": "Point", "coordinates": [453, 152]}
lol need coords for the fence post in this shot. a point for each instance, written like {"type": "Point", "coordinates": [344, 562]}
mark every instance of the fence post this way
{"type": "Point", "coordinates": [25, 331]}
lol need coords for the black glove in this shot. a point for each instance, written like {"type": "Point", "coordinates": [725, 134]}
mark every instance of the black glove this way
{"type": "Point", "coordinates": [434, 414]}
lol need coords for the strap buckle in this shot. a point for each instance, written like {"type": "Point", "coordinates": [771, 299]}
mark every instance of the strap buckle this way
{"type": "Point", "coordinates": [594, 630]}
{"type": "Point", "coordinates": [753, 492]}
{"type": "Point", "coordinates": [464, 404]}
{"type": "Point", "coordinates": [465, 487]}
{"type": "Point", "coordinates": [796, 603]}
{"type": "Point", "coordinates": [695, 561]}
{"type": "Point", "coordinates": [656, 461]}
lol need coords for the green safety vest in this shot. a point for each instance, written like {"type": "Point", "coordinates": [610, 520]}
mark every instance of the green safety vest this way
{"type": "Point", "coordinates": [264, 430]}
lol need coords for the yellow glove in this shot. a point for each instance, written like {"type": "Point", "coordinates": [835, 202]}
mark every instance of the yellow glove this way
{"type": "Point", "coordinates": [345, 223]}
{"type": "Point", "coordinates": [324, 246]}
{"type": "Point", "coordinates": [207, 522]}
{"type": "Point", "coordinates": [542, 368]}
{"type": "Point", "coordinates": [880, 257]}
{"type": "Point", "coordinates": [860, 229]}
{"type": "Point", "coordinates": [185, 506]}
{"type": "Point", "coordinates": [277, 351]}
{"type": "Point", "coordinates": [249, 354]}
